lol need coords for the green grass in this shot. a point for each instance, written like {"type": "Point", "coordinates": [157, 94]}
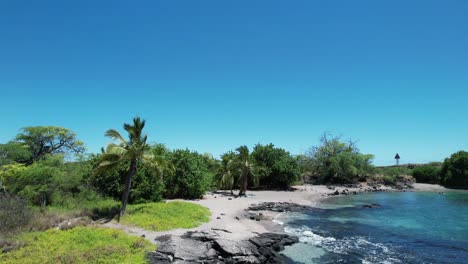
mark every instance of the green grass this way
{"type": "Point", "coordinates": [79, 245]}
{"type": "Point", "coordinates": [166, 216]}
{"type": "Point", "coordinates": [80, 205]}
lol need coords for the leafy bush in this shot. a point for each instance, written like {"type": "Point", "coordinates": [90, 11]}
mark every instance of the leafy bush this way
{"type": "Point", "coordinates": [14, 214]}
{"type": "Point", "coordinates": [279, 168]}
{"type": "Point", "coordinates": [147, 185]}
{"type": "Point", "coordinates": [166, 216]}
{"type": "Point", "coordinates": [79, 245]}
{"type": "Point", "coordinates": [454, 171]}
{"type": "Point", "coordinates": [14, 152]}
{"type": "Point", "coordinates": [427, 174]}
{"type": "Point", "coordinates": [389, 180]}
{"type": "Point", "coordinates": [394, 171]}
{"type": "Point", "coordinates": [191, 176]}
{"type": "Point", "coordinates": [337, 162]}
{"type": "Point", "coordinates": [37, 182]}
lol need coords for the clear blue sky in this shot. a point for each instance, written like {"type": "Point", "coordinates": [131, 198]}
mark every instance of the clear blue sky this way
{"type": "Point", "coordinates": [213, 75]}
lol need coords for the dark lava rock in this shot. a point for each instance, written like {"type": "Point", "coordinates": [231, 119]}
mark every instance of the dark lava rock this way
{"type": "Point", "coordinates": [372, 206]}
{"type": "Point", "coordinates": [202, 247]}
{"type": "Point", "coordinates": [280, 207]}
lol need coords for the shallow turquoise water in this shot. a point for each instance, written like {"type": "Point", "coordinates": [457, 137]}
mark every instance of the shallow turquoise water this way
{"type": "Point", "coordinates": [411, 227]}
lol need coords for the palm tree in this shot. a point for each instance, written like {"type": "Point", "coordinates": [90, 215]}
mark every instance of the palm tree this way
{"type": "Point", "coordinates": [132, 150]}
{"type": "Point", "coordinates": [247, 169]}
{"type": "Point", "coordinates": [226, 172]}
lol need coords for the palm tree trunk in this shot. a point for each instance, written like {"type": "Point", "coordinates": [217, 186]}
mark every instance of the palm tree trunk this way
{"type": "Point", "coordinates": [128, 185]}
{"type": "Point", "coordinates": [244, 186]}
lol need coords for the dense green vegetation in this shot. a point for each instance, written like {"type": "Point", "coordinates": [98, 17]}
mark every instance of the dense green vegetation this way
{"type": "Point", "coordinates": [429, 173]}
{"type": "Point", "coordinates": [166, 216]}
{"type": "Point", "coordinates": [78, 245]}
{"type": "Point", "coordinates": [191, 176]}
{"type": "Point", "coordinates": [335, 161]}
{"type": "Point", "coordinates": [454, 171]}
{"type": "Point", "coordinates": [280, 168]}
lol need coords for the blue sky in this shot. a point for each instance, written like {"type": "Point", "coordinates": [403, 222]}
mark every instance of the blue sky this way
{"type": "Point", "coordinates": [213, 75]}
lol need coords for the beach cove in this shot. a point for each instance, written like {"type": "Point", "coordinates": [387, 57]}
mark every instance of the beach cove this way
{"type": "Point", "coordinates": [237, 223]}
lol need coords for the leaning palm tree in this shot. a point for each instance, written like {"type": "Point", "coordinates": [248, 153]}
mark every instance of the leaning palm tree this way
{"type": "Point", "coordinates": [246, 168]}
{"type": "Point", "coordinates": [132, 150]}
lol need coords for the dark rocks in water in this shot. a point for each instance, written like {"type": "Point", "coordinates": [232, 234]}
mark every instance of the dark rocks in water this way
{"type": "Point", "coordinates": [372, 206]}
{"type": "Point", "coordinates": [280, 207]}
{"type": "Point", "coordinates": [202, 247]}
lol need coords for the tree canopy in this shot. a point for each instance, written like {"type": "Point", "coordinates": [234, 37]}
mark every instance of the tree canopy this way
{"type": "Point", "coordinates": [335, 161]}
{"type": "Point", "coordinates": [455, 170]}
{"type": "Point", "coordinates": [43, 140]}
{"type": "Point", "coordinates": [279, 168]}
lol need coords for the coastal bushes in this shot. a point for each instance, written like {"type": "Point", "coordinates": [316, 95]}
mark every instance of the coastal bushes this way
{"type": "Point", "coordinates": [454, 171]}
{"type": "Point", "coordinates": [14, 214]}
{"type": "Point", "coordinates": [335, 161]}
{"type": "Point", "coordinates": [190, 177]}
{"type": "Point", "coordinates": [279, 168]}
{"type": "Point", "coordinates": [147, 185]}
{"type": "Point", "coordinates": [427, 174]}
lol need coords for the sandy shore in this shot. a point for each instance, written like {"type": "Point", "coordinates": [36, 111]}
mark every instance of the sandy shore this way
{"type": "Point", "coordinates": [230, 220]}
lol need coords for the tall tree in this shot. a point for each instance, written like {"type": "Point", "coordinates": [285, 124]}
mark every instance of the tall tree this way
{"type": "Point", "coordinates": [246, 168]}
{"type": "Point", "coordinates": [43, 140]}
{"type": "Point", "coordinates": [227, 176]}
{"type": "Point", "coordinates": [132, 150]}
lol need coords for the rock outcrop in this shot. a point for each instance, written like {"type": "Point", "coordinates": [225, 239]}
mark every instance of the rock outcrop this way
{"type": "Point", "coordinates": [203, 247]}
{"type": "Point", "coordinates": [280, 207]}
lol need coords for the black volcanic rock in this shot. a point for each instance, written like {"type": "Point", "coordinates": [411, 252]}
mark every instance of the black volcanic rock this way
{"type": "Point", "coordinates": [280, 207]}
{"type": "Point", "coordinates": [203, 247]}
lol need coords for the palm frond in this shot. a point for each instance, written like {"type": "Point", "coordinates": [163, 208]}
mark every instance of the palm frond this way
{"type": "Point", "coordinates": [116, 149]}
{"type": "Point", "coordinates": [114, 134]}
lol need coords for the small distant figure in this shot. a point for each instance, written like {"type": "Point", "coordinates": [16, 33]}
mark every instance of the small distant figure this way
{"type": "Point", "coordinates": [397, 158]}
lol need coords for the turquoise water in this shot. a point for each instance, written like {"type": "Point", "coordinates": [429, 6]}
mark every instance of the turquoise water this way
{"type": "Point", "coordinates": [409, 227]}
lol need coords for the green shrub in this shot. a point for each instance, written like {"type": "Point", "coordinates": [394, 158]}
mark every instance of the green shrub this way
{"type": "Point", "coordinates": [191, 176]}
{"type": "Point", "coordinates": [389, 180]}
{"type": "Point", "coordinates": [394, 171]}
{"type": "Point", "coordinates": [279, 168]}
{"type": "Point", "coordinates": [454, 171]}
{"type": "Point", "coordinates": [147, 185]}
{"type": "Point", "coordinates": [427, 174]}
{"type": "Point", "coordinates": [14, 214]}
{"type": "Point", "coordinates": [335, 161]}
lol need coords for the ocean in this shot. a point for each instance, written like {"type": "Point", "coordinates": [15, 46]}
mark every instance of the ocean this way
{"type": "Point", "coordinates": [402, 227]}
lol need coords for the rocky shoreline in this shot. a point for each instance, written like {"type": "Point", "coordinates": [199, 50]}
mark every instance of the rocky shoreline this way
{"type": "Point", "coordinates": [242, 231]}
{"type": "Point", "coordinates": [204, 247]}
{"type": "Point", "coordinates": [217, 245]}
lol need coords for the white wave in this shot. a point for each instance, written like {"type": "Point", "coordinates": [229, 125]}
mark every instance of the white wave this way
{"type": "Point", "coordinates": [275, 220]}
{"type": "Point", "coordinates": [376, 252]}
{"type": "Point", "coordinates": [307, 236]}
